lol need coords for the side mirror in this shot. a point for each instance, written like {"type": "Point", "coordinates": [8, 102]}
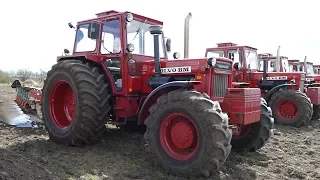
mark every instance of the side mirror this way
{"type": "Point", "coordinates": [176, 55]}
{"type": "Point", "coordinates": [93, 30]}
{"type": "Point", "coordinates": [168, 44]}
{"type": "Point", "coordinates": [66, 51]}
{"type": "Point", "coordinates": [236, 66]}
{"type": "Point", "coordinates": [70, 25]}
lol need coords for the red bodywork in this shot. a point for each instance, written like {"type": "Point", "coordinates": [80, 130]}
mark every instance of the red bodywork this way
{"type": "Point", "coordinates": [311, 76]}
{"type": "Point", "coordinates": [243, 105]}
{"type": "Point", "coordinates": [252, 77]}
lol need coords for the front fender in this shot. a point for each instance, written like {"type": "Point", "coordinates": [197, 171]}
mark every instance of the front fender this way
{"type": "Point", "coordinates": [275, 89]}
{"type": "Point", "coordinates": [156, 93]}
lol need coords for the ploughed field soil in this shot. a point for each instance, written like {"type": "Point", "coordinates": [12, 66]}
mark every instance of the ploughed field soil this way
{"type": "Point", "coordinates": [26, 153]}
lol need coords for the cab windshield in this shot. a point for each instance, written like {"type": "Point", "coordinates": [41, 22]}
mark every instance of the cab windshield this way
{"type": "Point", "coordinates": [139, 35]}
{"type": "Point", "coordinates": [285, 64]}
{"type": "Point", "coordinates": [272, 65]}
{"type": "Point", "coordinates": [215, 54]}
{"type": "Point", "coordinates": [310, 70]}
{"type": "Point", "coordinates": [252, 59]}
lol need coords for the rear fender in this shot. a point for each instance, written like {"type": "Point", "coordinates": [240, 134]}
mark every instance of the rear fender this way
{"type": "Point", "coordinates": [90, 57]}
{"type": "Point", "coordinates": [156, 93]}
{"type": "Point", "coordinates": [95, 59]}
{"type": "Point", "coordinates": [277, 88]}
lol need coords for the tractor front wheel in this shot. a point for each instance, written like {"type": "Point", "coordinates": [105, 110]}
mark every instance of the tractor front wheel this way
{"type": "Point", "coordinates": [187, 133]}
{"type": "Point", "coordinates": [254, 136]}
{"type": "Point", "coordinates": [75, 103]}
{"type": "Point", "coordinates": [291, 107]}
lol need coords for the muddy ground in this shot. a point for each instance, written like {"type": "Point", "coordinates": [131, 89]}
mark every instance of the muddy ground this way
{"type": "Point", "coordinates": [27, 153]}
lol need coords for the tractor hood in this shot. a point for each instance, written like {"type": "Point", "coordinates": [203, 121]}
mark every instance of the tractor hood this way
{"type": "Point", "coordinates": [315, 78]}
{"type": "Point", "coordinates": [280, 76]}
{"type": "Point", "coordinates": [185, 66]}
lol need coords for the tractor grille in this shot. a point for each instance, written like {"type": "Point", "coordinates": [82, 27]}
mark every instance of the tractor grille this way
{"type": "Point", "coordinates": [220, 85]}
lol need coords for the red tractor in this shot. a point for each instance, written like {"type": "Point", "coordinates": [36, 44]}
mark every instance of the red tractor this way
{"type": "Point", "coordinates": [119, 73]}
{"type": "Point", "coordinates": [311, 83]}
{"type": "Point", "coordinates": [283, 91]}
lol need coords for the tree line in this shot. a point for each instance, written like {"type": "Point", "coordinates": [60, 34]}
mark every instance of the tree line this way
{"type": "Point", "coordinates": [22, 75]}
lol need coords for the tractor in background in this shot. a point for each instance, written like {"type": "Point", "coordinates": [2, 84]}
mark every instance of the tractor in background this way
{"type": "Point", "coordinates": [119, 73]}
{"type": "Point", "coordinates": [283, 91]}
{"type": "Point", "coordinates": [311, 81]}
{"type": "Point", "coordinates": [312, 77]}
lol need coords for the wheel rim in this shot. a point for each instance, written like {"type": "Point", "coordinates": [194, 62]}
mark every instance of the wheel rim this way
{"type": "Point", "coordinates": [62, 104]}
{"type": "Point", "coordinates": [179, 136]}
{"type": "Point", "coordinates": [244, 131]}
{"type": "Point", "coordinates": [287, 109]}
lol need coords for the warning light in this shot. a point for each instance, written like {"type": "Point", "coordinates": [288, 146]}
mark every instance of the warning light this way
{"type": "Point", "coordinates": [130, 89]}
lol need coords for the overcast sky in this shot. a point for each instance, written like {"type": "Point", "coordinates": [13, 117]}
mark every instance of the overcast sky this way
{"type": "Point", "coordinates": [34, 32]}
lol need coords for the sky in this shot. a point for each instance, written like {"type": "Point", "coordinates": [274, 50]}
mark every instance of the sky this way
{"type": "Point", "coordinates": [33, 33]}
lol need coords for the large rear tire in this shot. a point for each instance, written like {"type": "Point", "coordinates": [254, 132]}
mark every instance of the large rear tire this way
{"type": "Point", "coordinates": [254, 136]}
{"type": "Point", "coordinates": [187, 133]}
{"type": "Point", "coordinates": [75, 103]}
{"type": "Point", "coordinates": [291, 107]}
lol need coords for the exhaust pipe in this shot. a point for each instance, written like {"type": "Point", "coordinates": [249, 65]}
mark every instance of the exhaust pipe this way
{"type": "Point", "coordinates": [305, 64]}
{"type": "Point", "coordinates": [186, 35]}
{"type": "Point", "coordinates": [278, 60]}
{"type": "Point", "coordinates": [156, 31]}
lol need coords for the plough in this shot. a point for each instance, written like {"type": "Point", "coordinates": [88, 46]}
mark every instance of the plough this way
{"type": "Point", "coordinates": [27, 97]}
{"type": "Point", "coordinates": [22, 112]}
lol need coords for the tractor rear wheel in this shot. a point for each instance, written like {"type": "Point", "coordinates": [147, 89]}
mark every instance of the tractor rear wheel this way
{"type": "Point", "coordinates": [254, 136]}
{"type": "Point", "coordinates": [187, 134]}
{"type": "Point", "coordinates": [75, 103]}
{"type": "Point", "coordinates": [316, 112]}
{"type": "Point", "coordinates": [291, 107]}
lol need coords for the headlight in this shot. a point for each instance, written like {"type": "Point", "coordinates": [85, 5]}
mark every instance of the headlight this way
{"type": "Point", "coordinates": [129, 17]}
{"type": "Point", "coordinates": [130, 47]}
{"type": "Point", "coordinates": [212, 61]}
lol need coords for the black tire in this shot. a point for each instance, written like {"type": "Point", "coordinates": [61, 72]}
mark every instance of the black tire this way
{"type": "Point", "coordinates": [259, 133]}
{"type": "Point", "coordinates": [316, 112]}
{"type": "Point", "coordinates": [92, 98]}
{"type": "Point", "coordinates": [303, 105]}
{"type": "Point", "coordinates": [214, 135]}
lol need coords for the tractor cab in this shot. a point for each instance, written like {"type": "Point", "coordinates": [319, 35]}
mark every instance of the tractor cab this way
{"type": "Point", "coordinates": [272, 63]}
{"type": "Point", "coordinates": [312, 77]}
{"type": "Point", "coordinates": [243, 57]}
{"type": "Point", "coordinates": [122, 42]}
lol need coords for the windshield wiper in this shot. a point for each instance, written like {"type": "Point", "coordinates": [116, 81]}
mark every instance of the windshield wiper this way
{"type": "Point", "coordinates": [139, 28]}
